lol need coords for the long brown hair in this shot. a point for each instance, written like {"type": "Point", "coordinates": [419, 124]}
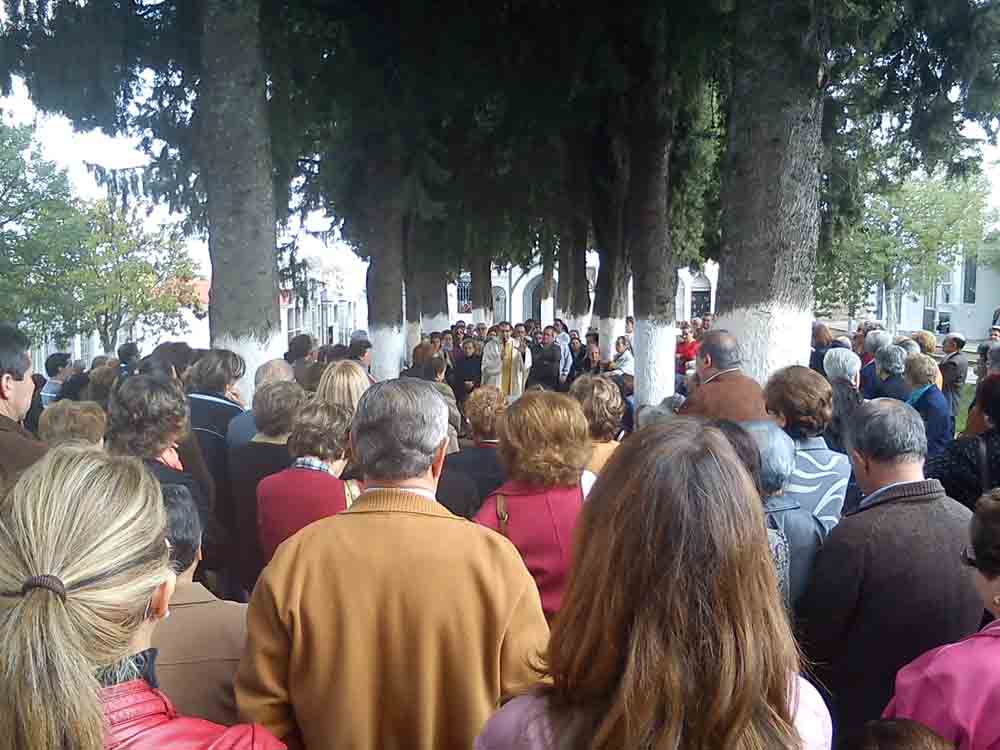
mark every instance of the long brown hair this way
{"type": "Point", "coordinates": [672, 633]}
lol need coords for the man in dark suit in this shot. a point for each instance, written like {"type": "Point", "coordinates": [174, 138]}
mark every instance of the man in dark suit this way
{"type": "Point", "coordinates": [954, 369]}
{"type": "Point", "coordinates": [18, 449]}
{"type": "Point", "coordinates": [545, 369]}
{"type": "Point", "coordinates": [720, 389]}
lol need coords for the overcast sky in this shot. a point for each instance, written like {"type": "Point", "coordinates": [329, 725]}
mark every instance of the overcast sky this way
{"type": "Point", "coordinates": [72, 150]}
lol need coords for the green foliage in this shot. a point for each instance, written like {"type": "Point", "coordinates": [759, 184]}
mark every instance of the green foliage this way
{"type": "Point", "coordinates": [126, 275]}
{"type": "Point", "coordinates": [907, 239]}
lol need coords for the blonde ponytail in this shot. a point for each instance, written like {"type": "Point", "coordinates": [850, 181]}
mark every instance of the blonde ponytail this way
{"type": "Point", "coordinates": [83, 540]}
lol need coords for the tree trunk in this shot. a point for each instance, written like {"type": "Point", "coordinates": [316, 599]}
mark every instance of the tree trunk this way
{"type": "Point", "coordinates": [548, 306]}
{"type": "Point", "coordinates": [385, 275]}
{"type": "Point", "coordinates": [433, 286]}
{"type": "Point", "coordinates": [235, 164]}
{"type": "Point", "coordinates": [413, 302]}
{"type": "Point", "coordinates": [578, 311]}
{"type": "Point", "coordinates": [771, 181]}
{"type": "Point", "coordinates": [481, 273]}
{"type": "Point", "coordinates": [610, 176]}
{"type": "Point", "coordinates": [653, 262]}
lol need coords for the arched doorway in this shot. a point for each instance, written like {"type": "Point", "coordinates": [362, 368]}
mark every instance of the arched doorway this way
{"type": "Point", "coordinates": [701, 296]}
{"type": "Point", "coordinates": [532, 304]}
{"type": "Point", "coordinates": [499, 304]}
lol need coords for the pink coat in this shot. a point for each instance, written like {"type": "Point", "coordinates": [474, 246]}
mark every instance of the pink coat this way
{"type": "Point", "coordinates": [955, 690]}
{"type": "Point", "coordinates": [540, 524]}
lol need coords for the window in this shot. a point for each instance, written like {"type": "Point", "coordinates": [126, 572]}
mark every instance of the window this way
{"type": "Point", "coordinates": [946, 289]}
{"type": "Point", "coordinates": [464, 294]}
{"type": "Point", "coordinates": [969, 269]}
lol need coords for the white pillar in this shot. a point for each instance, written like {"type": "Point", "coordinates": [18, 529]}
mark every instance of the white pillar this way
{"type": "Point", "coordinates": [770, 337]}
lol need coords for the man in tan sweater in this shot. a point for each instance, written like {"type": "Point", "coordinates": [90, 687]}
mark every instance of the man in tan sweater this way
{"type": "Point", "coordinates": [393, 624]}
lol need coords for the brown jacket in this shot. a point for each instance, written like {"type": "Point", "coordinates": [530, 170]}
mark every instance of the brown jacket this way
{"type": "Point", "coordinates": [200, 645]}
{"type": "Point", "coordinates": [729, 395]}
{"type": "Point", "coordinates": [391, 625]}
{"type": "Point", "coordinates": [18, 449]}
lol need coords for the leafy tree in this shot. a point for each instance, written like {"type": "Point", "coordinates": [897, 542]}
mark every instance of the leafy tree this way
{"type": "Point", "coordinates": [907, 240]}
{"type": "Point", "coordinates": [126, 276]}
{"type": "Point", "coordinates": [39, 225]}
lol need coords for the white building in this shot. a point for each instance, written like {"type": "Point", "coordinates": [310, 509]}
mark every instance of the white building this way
{"type": "Point", "coordinates": [963, 302]}
{"type": "Point", "coordinates": [517, 294]}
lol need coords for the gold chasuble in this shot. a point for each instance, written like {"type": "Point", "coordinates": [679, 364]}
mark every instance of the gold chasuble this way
{"type": "Point", "coordinates": [507, 368]}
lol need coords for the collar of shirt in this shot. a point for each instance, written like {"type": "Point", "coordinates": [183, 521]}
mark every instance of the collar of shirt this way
{"type": "Point", "coordinates": [720, 373]}
{"type": "Point", "coordinates": [870, 499]}
{"type": "Point", "coordinates": [414, 490]}
{"type": "Point", "coordinates": [312, 464]}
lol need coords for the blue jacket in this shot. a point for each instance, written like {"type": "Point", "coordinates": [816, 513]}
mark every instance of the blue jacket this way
{"type": "Point", "coordinates": [869, 381]}
{"type": "Point", "coordinates": [936, 413]}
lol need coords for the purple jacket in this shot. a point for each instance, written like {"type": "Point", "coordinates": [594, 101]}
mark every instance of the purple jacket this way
{"type": "Point", "coordinates": [955, 690]}
{"type": "Point", "coordinates": [522, 724]}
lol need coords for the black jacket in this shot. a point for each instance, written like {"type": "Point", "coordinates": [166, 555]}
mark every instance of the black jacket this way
{"type": "Point", "coordinates": [892, 387]}
{"type": "Point", "coordinates": [545, 369]}
{"type": "Point", "coordinates": [805, 535]}
{"type": "Point", "coordinates": [960, 470]}
{"type": "Point", "coordinates": [888, 585]}
{"type": "Point", "coordinates": [481, 465]}
{"type": "Point", "coordinates": [954, 370]}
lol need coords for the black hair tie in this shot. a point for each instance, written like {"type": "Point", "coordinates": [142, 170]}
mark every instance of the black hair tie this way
{"type": "Point", "coordinates": [51, 583]}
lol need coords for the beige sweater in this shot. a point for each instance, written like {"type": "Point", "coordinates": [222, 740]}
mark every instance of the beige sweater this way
{"type": "Point", "coordinates": [391, 625]}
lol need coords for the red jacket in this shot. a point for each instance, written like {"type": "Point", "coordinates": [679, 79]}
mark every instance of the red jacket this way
{"type": "Point", "coordinates": [290, 500]}
{"type": "Point", "coordinates": [540, 524]}
{"type": "Point", "coordinates": [141, 718]}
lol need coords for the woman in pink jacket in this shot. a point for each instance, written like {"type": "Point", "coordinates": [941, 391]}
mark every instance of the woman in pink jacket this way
{"type": "Point", "coordinates": [955, 689]}
{"type": "Point", "coordinates": [544, 447]}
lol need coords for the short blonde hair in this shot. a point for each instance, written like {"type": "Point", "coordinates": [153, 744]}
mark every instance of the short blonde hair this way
{"type": "Point", "coordinates": [89, 529]}
{"type": "Point", "coordinates": [343, 384]}
{"type": "Point", "coordinates": [602, 405]}
{"type": "Point", "coordinates": [544, 439]}
{"type": "Point", "coordinates": [69, 421]}
{"type": "Point", "coordinates": [926, 340]}
{"type": "Point", "coordinates": [484, 407]}
{"type": "Point", "coordinates": [921, 370]}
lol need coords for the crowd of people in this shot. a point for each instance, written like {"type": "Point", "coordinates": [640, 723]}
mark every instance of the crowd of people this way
{"type": "Point", "coordinates": [498, 550]}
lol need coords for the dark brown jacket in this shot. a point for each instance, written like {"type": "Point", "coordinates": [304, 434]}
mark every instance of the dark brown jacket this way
{"type": "Point", "coordinates": [888, 585]}
{"type": "Point", "coordinates": [729, 395]}
{"type": "Point", "coordinates": [18, 449]}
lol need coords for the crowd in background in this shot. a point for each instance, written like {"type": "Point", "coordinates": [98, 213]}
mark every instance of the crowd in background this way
{"type": "Point", "coordinates": [498, 550]}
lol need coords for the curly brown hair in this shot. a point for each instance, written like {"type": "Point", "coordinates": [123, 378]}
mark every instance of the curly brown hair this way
{"type": "Point", "coordinates": [146, 415]}
{"type": "Point", "coordinates": [803, 397]}
{"type": "Point", "coordinates": [67, 421]}
{"type": "Point", "coordinates": [602, 405]}
{"type": "Point", "coordinates": [275, 406]}
{"type": "Point", "coordinates": [321, 430]}
{"type": "Point", "coordinates": [544, 440]}
{"type": "Point", "coordinates": [484, 407]}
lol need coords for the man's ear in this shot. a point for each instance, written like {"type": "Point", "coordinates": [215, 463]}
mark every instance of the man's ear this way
{"type": "Point", "coordinates": [6, 387]}
{"type": "Point", "coordinates": [437, 463]}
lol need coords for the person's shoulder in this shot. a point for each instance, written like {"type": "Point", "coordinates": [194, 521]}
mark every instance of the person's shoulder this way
{"type": "Point", "coordinates": [811, 717]}
{"type": "Point", "coordinates": [245, 737]}
{"type": "Point", "coordinates": [521, 724]}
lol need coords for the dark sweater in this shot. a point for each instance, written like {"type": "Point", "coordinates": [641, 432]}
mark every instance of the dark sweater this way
{"type": "Point", "coordinates": [479, 463]}
{"type": "Point", "coordinates": [888, 585]}
{"type": "Point", "coordinates": [959, 469]}
{"type": "Point", "coordinates": [892, 387]}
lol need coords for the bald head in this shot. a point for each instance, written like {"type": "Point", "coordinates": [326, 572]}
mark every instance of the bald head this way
{"type": "Point", "coordinates": [719, 351]}
{"type": "Point", "coordinates": [275, 371]}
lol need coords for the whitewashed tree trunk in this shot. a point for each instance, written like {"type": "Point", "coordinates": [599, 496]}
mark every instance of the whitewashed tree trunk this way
{"type": "Point", "coordinates": [436, 323]}
{"type": "Point", "coordinates": [770, 337]}
{"type": "Point", "coordinates": [654, 344]}
{"type": "Point", "coordinates": [608, 330]}
{"type": "Point", "coordinates": [548, 310]}
{"type": "Point", "coordinates": [482, 315]}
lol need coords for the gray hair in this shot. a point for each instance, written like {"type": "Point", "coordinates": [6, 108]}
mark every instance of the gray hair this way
{"type": "Point", "coordinates": [909, 346]}
{"type": "Point", "coordinates": [841, 364]}
{"type": "Point", "coordinates": [398, 427]}
{"type": "Point", "coordinates": [273, 371]}
{"type": "Point", "coordinates": [891, 359]}
{"type": "Point", "coordinates": [993, 356]}
{"type": "Point", "coordinates": [777, 454]}
{"type": "Point", "coordinates": [667, 409]}
{"type": "Point", "coordinates": [887, 430]}
{"type": "Point", "coordinates": [876, 340]}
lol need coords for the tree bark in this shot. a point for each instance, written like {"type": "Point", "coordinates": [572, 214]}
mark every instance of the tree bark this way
{"type": "Point", "coordinates": [385, 272]}
{"type": "Point", "coordinates": [653, 262]}
{"type": "Point", "coordinates": [235, 164]}
{"type": "Point", "coordinates": [574, 287]}
{"type": "Point", "coordinates": [771, 181]}
{"type": "Point", "coordinates": [433, 285]}
{"type": "Point", "coordinates": [481, 273]}
{"type": "Point", "coordinates": [413, 303]}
